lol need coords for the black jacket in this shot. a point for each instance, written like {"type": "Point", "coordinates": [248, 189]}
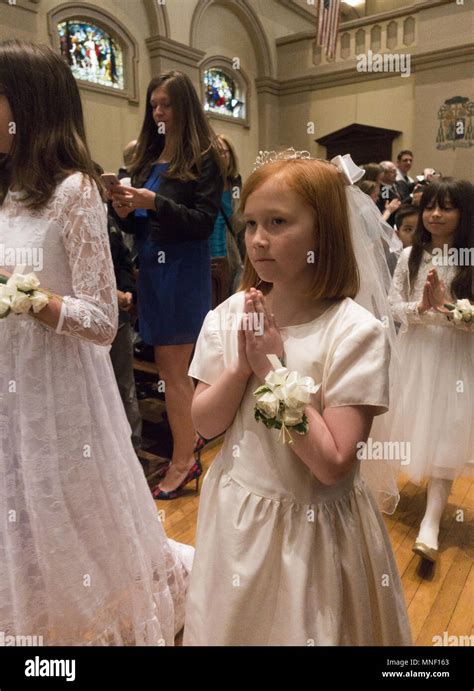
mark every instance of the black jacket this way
{"type": "Point", "coordinates": [184, 210]}
{"type": "Point", "coordinates": [121, 258]}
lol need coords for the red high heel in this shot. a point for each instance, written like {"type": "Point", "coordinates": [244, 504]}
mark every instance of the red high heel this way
{"type": "Point", "coordinates": [200, 444]}
{"type": "Point", "coordinates": [194, 474]}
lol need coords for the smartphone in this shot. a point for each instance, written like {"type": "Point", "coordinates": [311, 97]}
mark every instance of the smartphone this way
{"type": "Point", "coordinates": [110, 181]}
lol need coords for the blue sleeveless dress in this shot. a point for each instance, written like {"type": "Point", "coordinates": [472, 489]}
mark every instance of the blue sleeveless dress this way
{"type": "Point", "coordinates": [174, 282]}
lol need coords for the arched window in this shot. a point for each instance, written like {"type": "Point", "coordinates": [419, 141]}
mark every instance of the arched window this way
{"type": "Point", "coordinates": [92, 54]}
{"type": "Point", "coordinates": [223, 94]}
{"type": "Point", "coordinates": [101, 52]}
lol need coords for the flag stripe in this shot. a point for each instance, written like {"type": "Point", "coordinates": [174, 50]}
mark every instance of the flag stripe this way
{"type": "Point", "coordinates": [328, 25]}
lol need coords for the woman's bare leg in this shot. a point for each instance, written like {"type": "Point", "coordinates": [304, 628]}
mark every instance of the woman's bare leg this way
{"type": "Point", "coordinates": [173, 364]}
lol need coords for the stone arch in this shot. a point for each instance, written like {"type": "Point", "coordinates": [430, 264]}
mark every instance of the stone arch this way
{"type": "Point", "coordinates": [157, 18]}
{"type": "Point", "coordinates": [250, 20]}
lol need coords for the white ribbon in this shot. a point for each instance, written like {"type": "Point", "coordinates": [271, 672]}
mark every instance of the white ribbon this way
{"type": "Point", "coordinates": [348, 168]}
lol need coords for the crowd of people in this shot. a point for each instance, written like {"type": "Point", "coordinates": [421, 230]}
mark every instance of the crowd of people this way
{"type": "Point", "coordinates": [291, 546]}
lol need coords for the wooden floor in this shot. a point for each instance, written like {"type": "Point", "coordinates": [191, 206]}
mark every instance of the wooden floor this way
{"type": "Point", "coordinates": [439, 598]}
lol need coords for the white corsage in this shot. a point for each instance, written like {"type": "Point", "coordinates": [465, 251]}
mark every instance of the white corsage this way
{"type": "Point", "coordinates": [282, 399]}
{"type": "Point", "coordinates": [461, 311]}
{"type": "Point", "coordinates": [21, 293]}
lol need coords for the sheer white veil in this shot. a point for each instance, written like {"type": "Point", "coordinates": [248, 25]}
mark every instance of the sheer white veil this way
{"type": "Point", "coordinates": [374, 241]}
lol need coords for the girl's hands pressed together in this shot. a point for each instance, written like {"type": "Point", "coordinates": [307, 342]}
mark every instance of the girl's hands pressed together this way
{"type": "Point", "coordinates": [262, 335]}
{"type": "Point", "coordinates": [424, 305]}
{"type": "Point", "coordinates": [436, 292]}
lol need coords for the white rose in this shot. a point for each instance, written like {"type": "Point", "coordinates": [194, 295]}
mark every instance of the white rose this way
{"type": "Point", "coordinates": [292, 416]}
{"type": "Point", "coordinates": [268, 404]}
{"type": "Point", "coordinates": [4, 301]}
{"type": "Point", "coordinates": [27, 282]}
{"type": "Point", "coordinates": [38, 300]}
{"type": "Point", "coordinates": [464, 304]}
{"type": "Point", "coordinates": [457, 316]}
{"type": "Point", "coordinates": [20, 303]}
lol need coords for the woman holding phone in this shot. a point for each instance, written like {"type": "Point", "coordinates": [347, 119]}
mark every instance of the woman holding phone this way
{"type": "Point", "coordinates": [177, 178]}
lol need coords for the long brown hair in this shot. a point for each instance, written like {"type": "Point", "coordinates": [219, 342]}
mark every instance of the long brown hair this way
{"type": "Point", "coordinates": [50, 141]}
{"type": "Point", "coordinates": [193, 135]}
{"type": "Point", "coordinates": [320, 185]}
{"type": "Point", "coordinates": [461, 195]}
{"type": "Point", "coordinates": [232, 169]}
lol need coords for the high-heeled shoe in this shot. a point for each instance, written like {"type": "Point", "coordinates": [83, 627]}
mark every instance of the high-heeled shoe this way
{"type": "Point", "coordinates": [200, 444]}
{"type": "Point", "coordinates": [194, 473]}
{"type": "Point", "coordinates": [428, 553]}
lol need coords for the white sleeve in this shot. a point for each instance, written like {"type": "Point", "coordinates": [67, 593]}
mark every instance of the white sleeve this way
{"type": "Point", "coordinates": [358, 372]}
{"type": "Point", "coordinates": [208, 361]}
{"type": "Point", "coordinates": [91, 312]}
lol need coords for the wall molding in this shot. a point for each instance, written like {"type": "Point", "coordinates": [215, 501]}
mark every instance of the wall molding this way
{"type": "Point", "coordinates": [161, 47]}
{"type": "Point", "coordinates": [157, 18]}
{"type": "Point", "coordinates": [368, 19]}
{"type": "Point", "coordinates": [29, 5]}
{"type": "Point", "coordinates": [348, 74]}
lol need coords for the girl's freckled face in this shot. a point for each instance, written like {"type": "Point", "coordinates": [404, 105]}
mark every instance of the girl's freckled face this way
{"type": "Point", "coordinates": [279, 232]}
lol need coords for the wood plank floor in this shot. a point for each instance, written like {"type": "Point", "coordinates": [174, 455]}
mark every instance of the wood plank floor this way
{"type": "Point", "coordinates": [439, 598]}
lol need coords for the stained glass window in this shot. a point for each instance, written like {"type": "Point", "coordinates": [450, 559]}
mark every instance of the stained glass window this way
{"type": "Point", "coordinates": [222, 94]}
{"type": "Point", "coordinates": [92, 54]}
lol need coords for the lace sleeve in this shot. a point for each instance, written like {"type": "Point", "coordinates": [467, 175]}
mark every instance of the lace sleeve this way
{"type": "Point", "coordinates": [405, 311]}
{"type": "Point", "coordinates": [91, 313]}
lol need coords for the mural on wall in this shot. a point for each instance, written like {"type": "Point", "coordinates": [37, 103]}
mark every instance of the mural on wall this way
{"type": "Point", "coordinates": [222, 94]}
{"type": "Point", "coordinates": [455, 123]}
{"type": "Point", "coordinates": [91, 53]}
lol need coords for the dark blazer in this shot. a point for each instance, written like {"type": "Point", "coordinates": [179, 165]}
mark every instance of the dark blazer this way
{"type": "Point", "coordinates": [184, 210]}
{"type": "Point", "coordinates": [386, 195]}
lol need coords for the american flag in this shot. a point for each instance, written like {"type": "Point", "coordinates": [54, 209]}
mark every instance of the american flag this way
{"type": "Point", "coordinates": [328, 24]}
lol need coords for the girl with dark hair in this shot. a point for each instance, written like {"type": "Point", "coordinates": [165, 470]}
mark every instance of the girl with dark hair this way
{"type": "Point", "coordinates": [177, 178]}
{"type": "Point", "coordinates": [437, 352]}
{"type": "Point", "coordinates": [83, 558]}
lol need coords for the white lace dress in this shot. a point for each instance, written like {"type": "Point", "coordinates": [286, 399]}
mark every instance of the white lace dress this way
{"type": "Point", "coordinates": [436, 411]}
{"type": "Point", "coordinates": [83, 556]}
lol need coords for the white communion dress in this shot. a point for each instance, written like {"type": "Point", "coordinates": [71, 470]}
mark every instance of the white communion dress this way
{"type": "Point", "coordinates": [437, 361]}
{"type": "Point", "coordinates": [83, 556]}
{"type": "Point", "coordinates": [282, 559]}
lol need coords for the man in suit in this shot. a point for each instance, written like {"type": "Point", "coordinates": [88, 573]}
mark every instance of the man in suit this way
{"type": "Point", "coordinates": [389, 191]}
{"type": "Point", "coordinates": [404, 182]}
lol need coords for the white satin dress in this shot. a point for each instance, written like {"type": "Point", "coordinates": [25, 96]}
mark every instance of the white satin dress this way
{"type": "Point", "coordinates": [282, 559]}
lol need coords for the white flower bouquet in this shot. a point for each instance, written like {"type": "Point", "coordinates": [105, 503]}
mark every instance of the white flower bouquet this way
{"type": "Point", "coordinates": [21, 293]}
{"type": "Point", "coordinates": [282, 399]}
{"type": "Point", "coordinates": [461, 311]}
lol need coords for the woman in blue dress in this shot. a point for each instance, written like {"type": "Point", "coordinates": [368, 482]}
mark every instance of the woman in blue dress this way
{"type": "Point", "coordinates": [177, 180]}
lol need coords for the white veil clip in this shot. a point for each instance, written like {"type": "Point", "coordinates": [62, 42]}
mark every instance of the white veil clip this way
{"type": "Point", "coordinates": [348, 168]}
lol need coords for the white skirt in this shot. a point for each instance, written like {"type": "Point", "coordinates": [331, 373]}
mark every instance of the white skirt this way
{"type": "Point", "coordinates": [435, 411]}
{"type": "Point", "coordinates": [84, 559]}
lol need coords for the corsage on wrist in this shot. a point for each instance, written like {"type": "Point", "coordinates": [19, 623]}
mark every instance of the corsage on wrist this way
{"type": "Point", "coordinates": [461, 311]}
{"type": "Point", "coordinates": [21, 293]}
{"type": "Point", "coordinates": [282, 399]}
